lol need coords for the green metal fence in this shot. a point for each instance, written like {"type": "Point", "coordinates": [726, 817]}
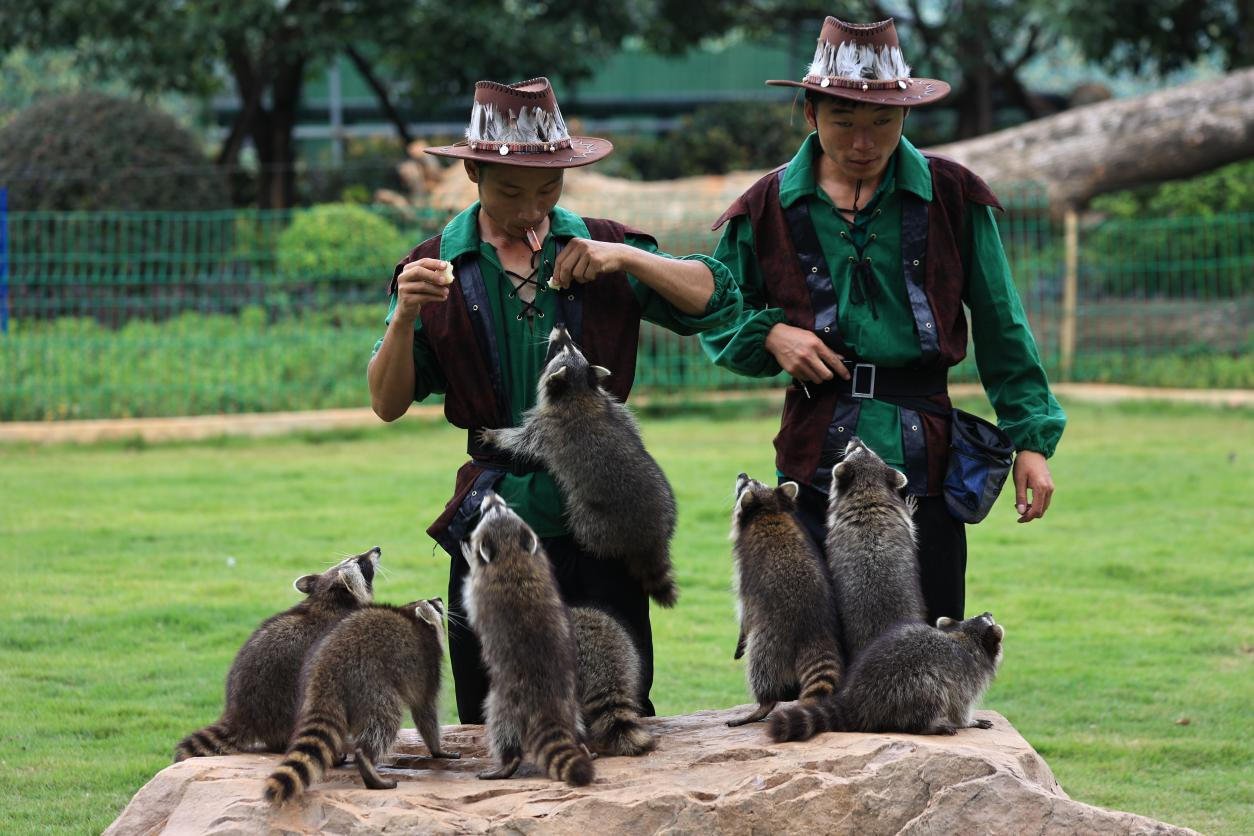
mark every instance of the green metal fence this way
{"type": "Point", "coordinates": [144, 314]}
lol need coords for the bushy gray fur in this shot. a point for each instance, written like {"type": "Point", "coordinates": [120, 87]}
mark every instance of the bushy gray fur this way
{"type": "Point", "coordinates": [355, 686]}
{"type": "Point", "coordinates": [914, 678]}
{"type": "Point", "coordinates": [609, 684]}
{"type": "Point", "coordinates": [528, 647]}
{"type": "Point", "coordinates": [619, 503]}
{"type": "Point", "coordinates": [788, 624]}
{"type": "Point", "coordinates": [262, 692]}
{"type": "Point", "coordinates": [871, 548]}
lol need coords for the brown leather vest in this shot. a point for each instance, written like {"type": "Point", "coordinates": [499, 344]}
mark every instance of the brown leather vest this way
{"type": "Point", "coordinates": [603, 317]}
{"type": "Point", "coordinates": [807, 421]}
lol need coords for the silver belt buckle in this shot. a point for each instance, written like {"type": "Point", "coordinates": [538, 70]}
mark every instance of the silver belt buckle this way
{"type": "Point", "coordinates": [862, 380]}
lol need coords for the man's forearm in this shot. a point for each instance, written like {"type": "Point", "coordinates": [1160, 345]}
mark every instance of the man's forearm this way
{"type": "Point", "coordinates": [391, 372]}
{"type": "Point", "coordinates": [686, 284]}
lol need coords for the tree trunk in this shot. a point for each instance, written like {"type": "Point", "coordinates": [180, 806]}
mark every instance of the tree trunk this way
{"type": "Point", "coordinates": [1121, 143]}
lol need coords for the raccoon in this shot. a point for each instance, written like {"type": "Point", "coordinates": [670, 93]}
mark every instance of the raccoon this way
{"type": "Point", "coordinates": [262, 692]}
{"type": "Point", "coordinates": [609, 681]}
{"type": "Point", "coordinates": [528, 648]}
{"type": "Point", "coordinates": [871, 548]}
{"type": "Point", "coordinates": [355, 686]}
{"type": "Point", "coordinates": [914, 678]}
{"type": "Point", "coordinates": [787, 617]}
{"type": "Point", "coordinates": [619, 503]}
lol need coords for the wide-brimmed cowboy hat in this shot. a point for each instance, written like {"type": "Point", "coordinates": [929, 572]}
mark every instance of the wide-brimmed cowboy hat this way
{"type": "Point", "coordinates": [520, 124]}
{"type": "Point", "coordinates": [863, 62]}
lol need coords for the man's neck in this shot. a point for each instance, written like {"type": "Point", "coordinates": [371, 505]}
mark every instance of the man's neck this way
{"type": "Point", "coordinates": [844, 191]}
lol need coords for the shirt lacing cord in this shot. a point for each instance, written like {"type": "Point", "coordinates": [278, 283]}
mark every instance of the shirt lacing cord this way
{"type": "Point", "coordinates": [530, 309]}
{"type": "Point", "coordinates": [864, 288]}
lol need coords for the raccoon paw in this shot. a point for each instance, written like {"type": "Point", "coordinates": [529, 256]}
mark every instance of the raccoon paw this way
{"type": "Point", "coordinates": [981, 724]}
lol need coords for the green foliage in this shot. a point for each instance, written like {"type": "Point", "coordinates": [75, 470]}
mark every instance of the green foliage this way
{"type": "Point", "coordinates": [713, 140]}
{"type": "Point", "coordinates": [144, 568]}
{"type": "Point", "coordinates": [89, 151]}
{"type": "Point", "coordinates": [1154, 231]}
{"type": "Point", "coordinates": [338, 246]}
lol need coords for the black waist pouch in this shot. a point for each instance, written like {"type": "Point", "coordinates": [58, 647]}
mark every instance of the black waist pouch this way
{"type": "Point", "coordinates": [980, 457]}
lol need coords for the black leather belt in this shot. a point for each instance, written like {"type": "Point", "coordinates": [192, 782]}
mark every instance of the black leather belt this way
{"type": "Point", "coordinates": [896, 385]}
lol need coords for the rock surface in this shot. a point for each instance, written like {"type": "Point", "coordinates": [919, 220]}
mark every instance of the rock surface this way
{"type": "Point", "coordinates": [703, 778]}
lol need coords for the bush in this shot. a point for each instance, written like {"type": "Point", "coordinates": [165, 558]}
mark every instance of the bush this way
{"type": "Point", "coordinates": [89, 151]}
{"type": "Point", "coordinates": [714, 140]}
{"type": "Point", "coordinates": [1183, 238]}
{"type": "Point", "coordinates": [339, 247]}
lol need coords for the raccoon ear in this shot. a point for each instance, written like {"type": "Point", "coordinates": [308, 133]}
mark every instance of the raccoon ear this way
{"type": "Point", "coordinates": [789, 489]}
{"type": "Point", "coordinates": [485, 554]}
{"type": "Point", "coordinates": [839, 470]}
{"type": "Point", "coordinates": [305, 584]}
{"type": "Point", "coordinates": [560, 374]}
{"type": "Point", "coordinates": [530, 541]}
{"type": "Point", "coordinates": [899, 480]}
{"type": "Point", "coordinates": [998, 631]}
{"type": "Point", "coordinates": [746, 499]}
{"type": "Point", "coordinates": [945, 622]}
{"type": "Point", "coordinates": [601, 372]}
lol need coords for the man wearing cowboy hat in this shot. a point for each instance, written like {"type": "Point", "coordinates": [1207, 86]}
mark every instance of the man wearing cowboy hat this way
{"type": "Point", "coordinates": [519, 265]}
{"type": "Point", "coordinates": [855, 261]}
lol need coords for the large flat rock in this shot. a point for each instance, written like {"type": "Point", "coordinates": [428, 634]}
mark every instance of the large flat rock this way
{"type": "Point", "coordinates": [703, 778]}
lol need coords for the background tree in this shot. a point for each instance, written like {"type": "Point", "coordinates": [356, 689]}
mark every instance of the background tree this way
{"type": "Point", "coordinates": [264, 50]}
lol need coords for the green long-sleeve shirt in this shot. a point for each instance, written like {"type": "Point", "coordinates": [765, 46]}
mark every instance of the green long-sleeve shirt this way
{"type": "Point", "coordinates": [879, 326]}
{"type": "Point", "coordinates": [535, 496]}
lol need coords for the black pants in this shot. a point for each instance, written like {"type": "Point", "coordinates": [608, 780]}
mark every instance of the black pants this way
{"type": "Point", "coordinates": [584, 581]}
{"type": "Point", "coordinates": [942, 549]}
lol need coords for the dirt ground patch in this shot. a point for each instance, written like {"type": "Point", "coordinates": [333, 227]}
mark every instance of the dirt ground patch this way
{"type": "Point", "coordinates": [192, 428]}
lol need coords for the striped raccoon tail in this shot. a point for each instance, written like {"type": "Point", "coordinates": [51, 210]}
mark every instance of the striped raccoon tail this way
{"type": "Point", "coordinates": [803, 721]}
{"type": "Point", "coordinates": [819, 669]}
{"type": "Point", "coordinates": [316, 745]}
{"type": "Point", "coordinates": [657, 578]}
{"type": "Point", "coordinates": [554, 748]}
{"type": "Point", "coordinates": [614, 727]}
{"type": "Point", "coordinates": [217, 739]}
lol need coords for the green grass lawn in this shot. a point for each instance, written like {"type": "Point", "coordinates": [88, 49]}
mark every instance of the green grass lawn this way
{"type": "Point", "coordinates": [134, 573]}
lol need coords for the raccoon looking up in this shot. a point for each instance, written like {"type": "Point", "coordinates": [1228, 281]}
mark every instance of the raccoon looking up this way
{"type": "Point", "coordinates": [871, 548]}
{"type": "Point", "coordinates": [788, 623]}
{"type": "Point", "coordinates": [609, 681]}
{"type": "Point", "coordinates": [355, 686]}
{"type": "Point", "coordinates": [618, 501]}
{"type": "Point", "coordinates": [528, 647]}
{"type": "Point", "coordinates": [914, 678]}
{"type": "Point", "coordinates": [262, 691]}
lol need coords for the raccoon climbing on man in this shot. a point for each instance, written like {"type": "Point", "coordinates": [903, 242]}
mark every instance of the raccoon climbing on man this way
{"type": "Point", "coordinates": [609, 684]}
{"type": "Point", "coordinates": [788, 624]}
{"type": "Point", "coordinates": [528, 646]}
{"type": "Point", "coordinates": [355, 686]}
{"type": "Point", "coordinates": [262, 692]}
{"type": "Point", "coordinates": [618, 502]}
{"type": "Point", "coordinates": [871, 548]}
{"type": "Point", "coordinates": [914, 678]}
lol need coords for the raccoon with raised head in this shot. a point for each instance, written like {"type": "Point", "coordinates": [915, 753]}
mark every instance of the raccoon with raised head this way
{"type": "Point", "coordinates": [914, 678]}
{"type": "Point", "coordinates": [262, 688]}
{"type": "Point", "coordinates": [609, 684]}
{"type": "Point", "coordinates": [528, 647]}
{"type": "Point", "coordinates": [618, 501]}
{"type": "Point", "coordinates": [788, 624]}
{"type": "Point", "coordinates": [871, 548]}
{"type": "Point", "coordinates": [355, 686]}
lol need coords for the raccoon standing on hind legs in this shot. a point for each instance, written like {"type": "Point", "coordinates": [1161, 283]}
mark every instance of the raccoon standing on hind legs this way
{"type": "Point", "coordinates": [262, 688]}
{"type": "Point", "coordinates": [528, 647]}
{"type": "Point", "coordinates": [871, 548]}
{"type": "Point", "coordinates": [355, 686]}
{"type": "Point", "coordinates": [788, 624]}
{"type": "Point", "coordinates": [619, 503]}
{"type": "Point", "coordinates": [609, 681]}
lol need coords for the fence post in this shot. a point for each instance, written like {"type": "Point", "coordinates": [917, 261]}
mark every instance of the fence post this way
{"type": "Point", "coordinates": [1071, 244]}
{"type": "Point", "coordinates": [4, 260]}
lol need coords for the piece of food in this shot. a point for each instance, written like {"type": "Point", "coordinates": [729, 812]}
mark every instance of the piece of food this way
{"type": "Point", "coordinates": [446, 275]}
